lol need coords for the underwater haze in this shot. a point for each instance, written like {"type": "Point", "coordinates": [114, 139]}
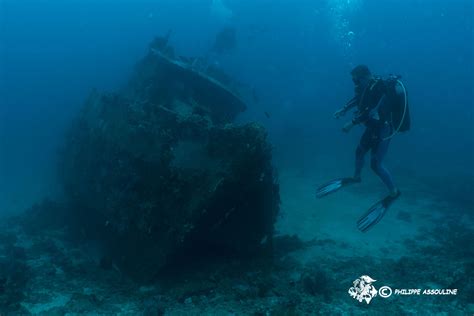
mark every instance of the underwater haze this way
{"type": "Point", "coordinates": [291, 62]}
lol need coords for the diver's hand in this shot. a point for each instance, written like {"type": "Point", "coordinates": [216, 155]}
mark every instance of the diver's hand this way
{"type": "Point", "coordinates": [340, 113]}
{"type": "Point", "coordinates": [347, 128]}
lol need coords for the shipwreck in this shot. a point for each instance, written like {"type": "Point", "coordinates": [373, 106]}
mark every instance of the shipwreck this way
{"type": "Point", "coordinates": [159, 172]}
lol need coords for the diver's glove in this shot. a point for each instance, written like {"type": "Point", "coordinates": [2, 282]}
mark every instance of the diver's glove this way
{"type": "Point", "coordinates": [347, 128]}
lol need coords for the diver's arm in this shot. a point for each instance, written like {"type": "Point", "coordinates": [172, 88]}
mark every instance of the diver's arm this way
{"type": "Point", "coordinates": [347, 127]}
{"type": "Point", "coordinates": [349, 105]}
{"type": "Point", "coordinates": [361, 118]}
{"type": "Point", "coordinates": [352, 103]}
{"type": "Point", "coordinates": [356, 120]}
{"type": "Point", "coordinates": [367, 113]}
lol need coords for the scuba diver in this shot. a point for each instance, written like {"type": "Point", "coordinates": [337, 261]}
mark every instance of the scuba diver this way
{"type": "Point", "coordinates": [382, 106]}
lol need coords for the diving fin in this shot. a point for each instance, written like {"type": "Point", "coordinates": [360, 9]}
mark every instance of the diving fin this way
{"type": "Point", "coordinates": [375, 213]}
{"type": "Point", "coordinates": [334, 185]}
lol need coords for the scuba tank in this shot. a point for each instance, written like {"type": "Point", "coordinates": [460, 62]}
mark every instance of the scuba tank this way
{"type": "Point", "coordinates": [398, 111]}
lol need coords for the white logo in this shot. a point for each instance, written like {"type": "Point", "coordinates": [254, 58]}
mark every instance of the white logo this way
{"type": "Point", "coordinates": [385, 291]}
{"type": "Point", "coordinates": [363, 289]}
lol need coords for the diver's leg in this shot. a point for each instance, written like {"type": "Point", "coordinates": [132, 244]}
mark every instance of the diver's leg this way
{"type": "Point", "coordinates": [378, 154]}
{"type": "Point", "coordinates": [361, 151]}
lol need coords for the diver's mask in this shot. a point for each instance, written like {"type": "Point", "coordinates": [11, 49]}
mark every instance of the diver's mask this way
{"type": "Point", "coordinates": [360, 81]}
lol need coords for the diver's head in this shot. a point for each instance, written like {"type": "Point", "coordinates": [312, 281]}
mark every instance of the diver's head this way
{"type": "Point", "coordinates": [361, 75]}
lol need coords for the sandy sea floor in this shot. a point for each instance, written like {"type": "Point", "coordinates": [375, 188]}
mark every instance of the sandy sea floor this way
{"type": "Point", "coordinates": [424, 241]}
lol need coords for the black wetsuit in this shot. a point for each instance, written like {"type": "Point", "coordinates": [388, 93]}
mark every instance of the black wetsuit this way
{"type": "Point", "coordinates": [373, 107]}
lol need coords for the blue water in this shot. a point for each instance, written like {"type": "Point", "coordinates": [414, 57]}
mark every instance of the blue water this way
{"type": "Point", "coordinates": [297, 55]}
